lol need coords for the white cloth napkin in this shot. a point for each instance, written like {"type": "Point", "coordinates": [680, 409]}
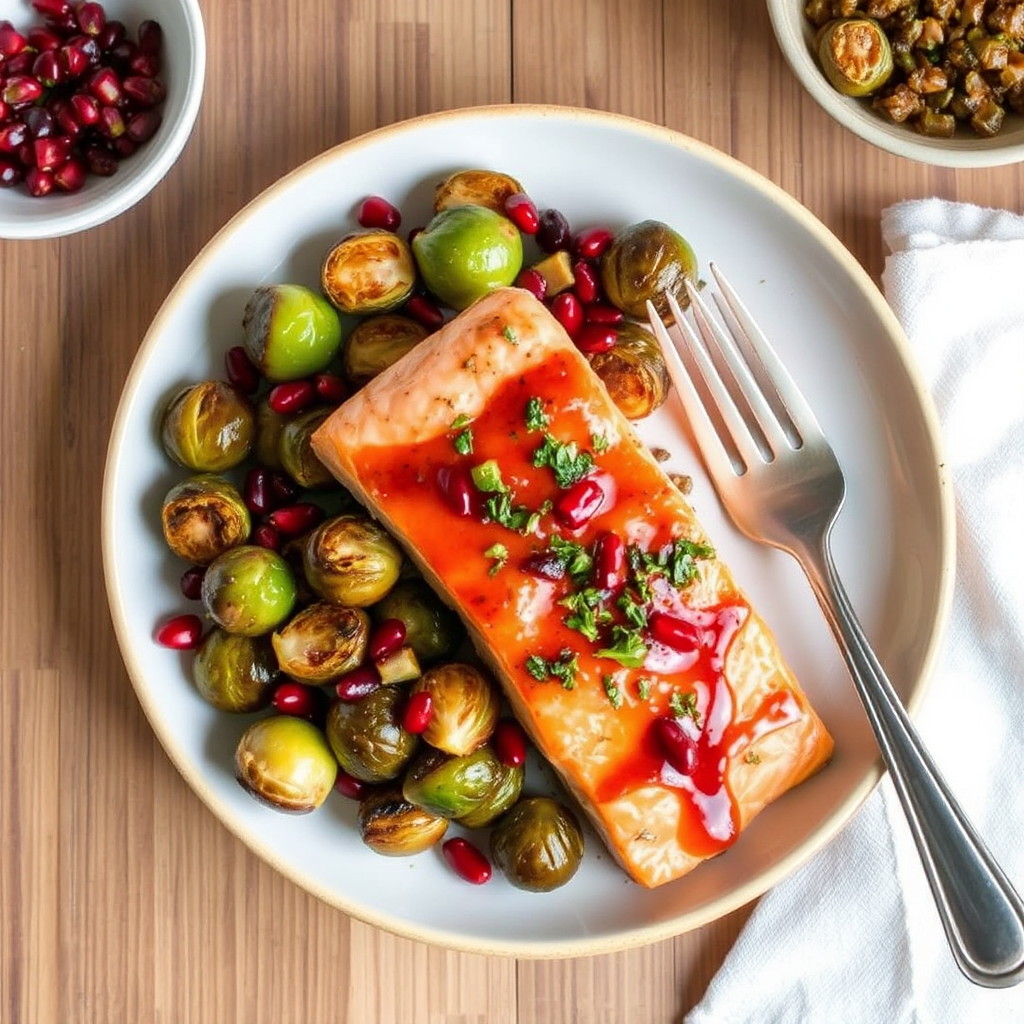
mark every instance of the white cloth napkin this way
{"type": "Point", "coordinates": [853, 937]}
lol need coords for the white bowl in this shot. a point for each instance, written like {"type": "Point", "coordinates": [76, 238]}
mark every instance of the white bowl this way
{"type": "Point", "coordinates": [893, 542]}
{"type": "Point", "coordinates": [795, 35]}
{"type": "Point", "coordinates": [101, 199]}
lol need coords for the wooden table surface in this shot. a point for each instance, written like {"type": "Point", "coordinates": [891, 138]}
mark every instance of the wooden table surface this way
{"type": "Point", "coordinates": [122, 898]}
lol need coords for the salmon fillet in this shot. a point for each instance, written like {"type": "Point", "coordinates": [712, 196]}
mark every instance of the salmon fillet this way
{"type": "Point", "coordinates": [624, 646]}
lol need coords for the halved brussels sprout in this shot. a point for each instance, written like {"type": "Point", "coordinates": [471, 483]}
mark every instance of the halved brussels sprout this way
{"type": "Point", "coordinates": [647, 260]}
{"type": "Point", "coordinates": [475, 188]}
{"type": "Point", "coordinates": [465, 703]}
{"type": "Point", "coordinates": [367, 736]}
{"type": "Point", "coordinates": [634, 371]}
{"type": "Point", "coordinates": [537, 844]}
{"type": "Point", "coordinates": [208, 427]}
{"type": "Point", "coordinates": [248, 590]}
{"type": "Point", "coordinates": [855, 55]}
{"type": "Point", "coordinates": [432, 629]}
{"type": "Point", "coordinates": [290, 331]}
{"type": "Point", "coordinates": [322, 642]}
{"type": "Point", "coordinates": [392, 826]}
{"type": "Point", "coordinates": [452, 786]}
{"type": "Point", "coordinates": [505, 792]}
{"type": "Point", "coordinates": [351, 560]}
{"type": "Point", "coordinates": [368, 271]}
{"type": "Point", "coordinates": [377, 342]}
{"type": "Point", "coordinates": [269, 425]}
{"type": "Point", "coordinates": [296, 454]}
{"type": "Point", "coordinates": [235, 673]}
{"type": "Point", "coordinates": [203, 517]}
{"type": "Point", "coordinates": [286, 762]}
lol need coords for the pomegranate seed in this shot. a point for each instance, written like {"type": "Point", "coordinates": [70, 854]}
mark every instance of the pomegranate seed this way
{"type": "Point", "coordinates": [151, 36]}
{"type": "Point", "coordinates": [100, 162]}
{"type": "Point", "coordinates": [580, 503]}
{"type": "Point", "coordinates": [12, 42]}
{"type": "Point", "coordinates": [520, 209]}
{"type": "Point", "coordinates": [42, 39]}
{"type": "Point", "coordinates": [240, 370]}
{"type": "Point", "coordinates": [142, 127]}
{"type": "Point", "coordinates": [27, 155]}
{"type": "Point", "coordinates": [112, 33]}
{"type": "Point", "coordinates": [267, 536]}
{"type": "Point", "coordinates": [5, 112]}
{"type": "Point", "coordinates": [111, 123]}
{"type": "Point", "coordinates": [585, 286]}
{"type": "Point", "coordinates": [13, 136]}
{"type": "Point", "coordinates": [71, 175]}
{"type": "Point", "coordinates": [386, 639]}
{"type": "Point", "coordinates": [291, 396]}
{"type": "Point", "coordinates": [286, 490]}
{"type": "Point", "coordinates": [39, 122]}
{"type": "Point", "coordinates": [602, 313]}
{"type": "Point", "coordinates": [50, 153]}
{"type": "Point", "coordinates": [20, 65]}
{"type": "Point", "coordinates": [105, 86]}
{"type": "Point", "coordinates": [52, 8]}
{"type": "Point", "coordinates": [295, 519]}
{"type": "Point", "coordinates": [192, 582]}
{"type": "Point", "coordinates": [676, 744]}
{"type": "Point", "coordinates": [89, 47]}
{"type": "Point", "coordinates": [357, 684]}
{"type": "Point", "coordinates": [67, 25]}
{"type": "Point", "coordinates": [330, 387]}
{"type": "Point", "coordinates": [674, 632]}
{"type": "Point", "coordinates": [182, 633]}
{"type": "Point", "coordinates": [122, 53]}
{"type": "Point", "coordinates": [11, 173]}
{"type": "Point", "coordinates": [64, 113]}
{"type": "Point", "coordinates": [509, 743]}
{"type": "Point", "coordinates": [594, 338]}
{"type": "Point", "coordinates": [350, 786]}
{"type": "Point", "coordinates": [257, 492]}
{"type": "Point", "coordinates": [466, 861]}
{"type": "Point", "coordinates": [291, 698]}
{"type": "Point", "coordinates": [427, 312]}
{"type": "Point", "coordinates": [533, 281]}
{"type": "Point", "coordinates": [553, 231]}
{"type": "Point", "coordinates": [147, 92]}
{"type": "Point", "coordinates": [90, 17]}
{"type": "Point", "coordinates": [609, 561]}
{"type": "Point", "coordinates": [377, 212]}
{"type": "Point", "coordinates": [86, 109]}
{"type": "Point", "coordinates": [567, 310]}
{"type": "Point", "coordinates": [73, 61]}
{"type": "Point", "coordinates": [419, 709]}
{"type": "Point", "coordinates": [39, 183]}
{"type": "Point", "coordinates": [459, 491]}
{"type": "Point", "coordinates": [122, 146]}
{"type": "Point", "coordinates": [590, 244]}
{"type": "Point", "coordinates": [21, 90]}
{"type": "Point", "coordinates": [146, 65]}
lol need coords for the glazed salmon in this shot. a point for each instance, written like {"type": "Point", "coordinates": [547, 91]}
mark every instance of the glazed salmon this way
{"type": "Point", "coordinates": [624, 646]}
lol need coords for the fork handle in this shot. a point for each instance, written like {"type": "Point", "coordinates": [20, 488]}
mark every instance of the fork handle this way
{"type": "Point", "coordinates": [982, 914]}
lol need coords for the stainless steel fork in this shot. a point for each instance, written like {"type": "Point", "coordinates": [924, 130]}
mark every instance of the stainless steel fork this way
{"type": "Point", "coordinates": [781, 483]}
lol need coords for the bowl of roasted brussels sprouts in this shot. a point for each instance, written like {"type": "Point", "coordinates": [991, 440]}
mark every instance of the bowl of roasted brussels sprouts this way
{"type": "Point", "coordinates": [941, 84]}
{"type": "Point", "coordinates": [301, 673]}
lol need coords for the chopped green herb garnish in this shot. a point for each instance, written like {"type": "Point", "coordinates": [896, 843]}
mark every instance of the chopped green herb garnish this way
{"type": "Point", "coordinates": [635, 612]}
{"type": "Point", "coordinates": [612, 691]}
{"type": "Point", "coordinates": [563, 668]}
{"type": "Point", "coordinates": [500, 555]}
{"type": "Point", "coordinates": [463, 442]}
{"type": "Point", "coordinates": [627, 647]}
{"type": "Point", "coordinates": [684, 705]}
{"type": "Point", "coordinates": [487, 477]}
{"type": "Point", "coordinates": [460, 421]}
{"type": "Point", "coordinates": [574, 558]}
{"type": "Point", "coordinates": [587, 612]}
{"type": "Point", "coordinates": [510, 335]}
{"type": "Point", "coordinates": [676, 562]}
{"type": "Point", "coordinates": [681, 559]}
{"type": "Point", "coordinates": [568, 463]}
{"type": "Point", "coordinates": [599, 443]}
{"type": "Point", "coordinates": [536, 417]}
{"type": "Point", "coordinates": [643, 687]}
{"type": "Point", "coordinates": [499, 509]}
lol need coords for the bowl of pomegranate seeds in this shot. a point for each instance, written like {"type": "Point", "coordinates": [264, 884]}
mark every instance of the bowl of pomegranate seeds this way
{"type": "Point", "coordinates": [97, 101]}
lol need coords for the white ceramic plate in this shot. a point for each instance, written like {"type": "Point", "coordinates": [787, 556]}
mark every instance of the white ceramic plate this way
{"type": "Point", "coordinates": [893, 543]}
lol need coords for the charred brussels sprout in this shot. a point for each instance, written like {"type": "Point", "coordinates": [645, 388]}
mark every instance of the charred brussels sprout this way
{"type": "Point", "coordinates": [203, 517]}
{"type": "Point", "coordinates": [538, 844]}
{"type": "Point", "coordinates": [465, 705]}
{"type": "Point", "coordinates": [475, 188]}
{"type": "Point", "coordinates": [465, 252]}
{"type": "Point", "coordinates": [504, 793]}
{"type": "Point", "coordinates": [290, 331]}
{"type": "Point", "coordinates": [376, 343]}
{"type": "Point", "coordinates": [235, 673]}
{"type": "Point", "coordinates": [208, 427]}
{"type": "Point", "coordinates": [855, 55]}
{"type": "Point", "coordinates": [248, 590]}
{"type": "Point", "coordinates": [367, 736]}
{"type": "Point", "coordinates": [368, 272]}
{"type": "Point", "coordinates": [645, 261]}
{"type": "Point", "coordinates": [351, 560]}
{"type": "Point", "coordinates": [286, 762]}
{"type": "Point", "coordinates": [432, 629]}
{"type": "Point", "coordinates": [322, 642]}
{"type": "Point", "coordinates": [296, 454]}
{"type": "Point", "coordinates": [269, 425]}
{"type": "Point", "coordinates": [633, 372]}
{"type": "Point", "coordinates": [452, 786]}
{"type": "Point", "coordinates": [392, 826]}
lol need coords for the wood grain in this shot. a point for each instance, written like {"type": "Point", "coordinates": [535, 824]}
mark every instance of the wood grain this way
{"type": "Point", "coordinates": [121, 897]}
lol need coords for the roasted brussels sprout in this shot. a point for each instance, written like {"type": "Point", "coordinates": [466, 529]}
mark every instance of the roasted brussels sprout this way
{"type": "Point", "coordinates": [452, 786]}
{"type": "Point", "coordinates": [367, 736]}
{"type": "Point", "coordinates": [376, 343]}
{"type": "Point", "coordinates": [537, 844]}
{"type": "Point", "coordinates": [322, 642]}
{"type": "Point", "coordinates": [248, 590]}
{"type": "Point", "coordinates": [235, 673]}
{"type": "Point", "coordinates": [634, 371]}
{"type": "Point", "coordinates": [392, 826]}
{"type": "Point", "coordinates": [432, 629]}
{"type": "Point", "coordinates": [269, 425]}
{"type": "Point", "coordinates": [465, 252]}
{"type": "Point", "coordinates": [290, 331]}
{"type": "Point", "coordinates": [368, 272]}
{"type": "Point", "coordinates": [208, 427]}
{"type": "Point", "coordinates": [475, 188]}
{"type": "Point", "coordinates": [203, 517]}
{"type": "Point", "coordinates": [504, 793]}
{"type": "Point", "coordinates": [351, 560]}
{"type": "Point", "coordinates": [286, 762]}
{"type": "Point", "coordinates": [465, 705]}
{"type": "Point", "coordinates": [647, 260]}
{"type": "Point", "coordinates": [296, 454]}
{"type": "Point", "coordinates": [855, 55]}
